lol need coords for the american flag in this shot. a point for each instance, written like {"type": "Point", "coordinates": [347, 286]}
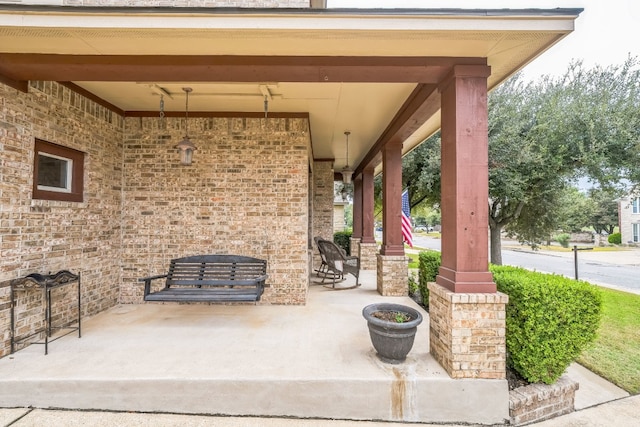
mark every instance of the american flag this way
{"type": "Point", "coordinates": [407, 234]}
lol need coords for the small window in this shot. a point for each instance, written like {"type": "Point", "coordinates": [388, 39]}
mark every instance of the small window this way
{"type": "Point", "coordinates": [636, 232]}
{"type": "Point", "coordinates": [635, 204]}
{"type": "Point", "coordinates": [58, 172]}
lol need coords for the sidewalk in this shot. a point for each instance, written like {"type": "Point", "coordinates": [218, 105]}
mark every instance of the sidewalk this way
{"type": "Point", "coordinates": [622, 412]}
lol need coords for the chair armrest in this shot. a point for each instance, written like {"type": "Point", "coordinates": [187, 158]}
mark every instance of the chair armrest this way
{"type": "Point", "coordinates": [145, 279]}
{"type": "Point", "coordinates": [353, 261]}
{"type": "Point", "coordinates": [262, 278]}
{"type": "Point", "coordinates": [147, 282]}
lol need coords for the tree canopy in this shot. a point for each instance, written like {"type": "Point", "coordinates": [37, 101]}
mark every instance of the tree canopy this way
{"type": "Point", "coordinates": [543, 135]}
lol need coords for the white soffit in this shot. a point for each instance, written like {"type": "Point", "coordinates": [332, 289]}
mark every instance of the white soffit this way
{"type": "Point", "coordinates": [294, 34]}
{"type": "Point", "coordinates": [508, 39]}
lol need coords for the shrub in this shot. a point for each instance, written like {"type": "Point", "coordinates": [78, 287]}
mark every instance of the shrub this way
{"type": "Point", "coordinates": [343, 239]}
{"type": "Point", "coordinates": [550, 319]}
{"type": "Point", "coordinates": [563, 239]}
{"type": "Point", "coordinates": [428, 266]}
{"type": "Point", "coordinates": [615, 238]}
{"type": "Point", "coordinates": [413, 284]}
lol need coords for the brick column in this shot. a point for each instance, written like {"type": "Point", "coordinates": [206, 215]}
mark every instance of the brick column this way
{"type": "Point", "coordinates": [322, 204]}
{"type": "Point", "coordinates": [393, 275]}
{"type": "Point", "coordinates": [354, 246]}
{"type": "Point", "coordinates": [368, 256]}
{"type": "Point", "coordinates": [467, 332]}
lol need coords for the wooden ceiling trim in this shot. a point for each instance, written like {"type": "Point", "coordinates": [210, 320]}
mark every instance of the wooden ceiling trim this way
{"type": "Point", "coordinates": [421, 105]}
{"type": "Point", "coordinates": [93, 97]}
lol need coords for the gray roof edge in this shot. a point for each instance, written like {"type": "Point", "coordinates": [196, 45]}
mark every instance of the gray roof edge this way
{"type": "Point", "coordinates": [301, 11]}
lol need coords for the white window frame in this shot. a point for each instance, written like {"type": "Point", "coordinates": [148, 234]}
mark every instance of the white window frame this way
{"type": "Point", "coordinates": [635, 232]}
{"type": "Point", "coordinates": [635, 205]}
{"type": "Point", "coordinates": [69, 178]}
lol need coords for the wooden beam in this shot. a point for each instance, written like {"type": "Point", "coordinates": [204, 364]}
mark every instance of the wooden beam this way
{"type": "Point", "coordinates": [112, 68]}
{"type": "Point", "coordinates": [423, 103]}
{"type": "Point", "coordinates": [21, 85]}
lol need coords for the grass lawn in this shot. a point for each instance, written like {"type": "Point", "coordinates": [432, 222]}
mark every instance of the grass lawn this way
{"type": "Point", "coordinates": [615, 354]}
{"type": "Point", "coordinates": [413, 263]}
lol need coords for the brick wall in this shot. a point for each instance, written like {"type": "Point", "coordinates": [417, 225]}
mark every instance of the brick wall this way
{"type": "Point", "coordinates": [45, 236]}
{"type": "Point", "coordinates": [537, 402]}
{"type": "Point", "coordinates": [245, 194]}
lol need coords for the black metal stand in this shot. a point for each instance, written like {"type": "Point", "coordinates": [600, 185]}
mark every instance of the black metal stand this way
{"type": "Point", "coordinates": [46, 283]}
{"type": "Point", "coordinates": [575, 257]}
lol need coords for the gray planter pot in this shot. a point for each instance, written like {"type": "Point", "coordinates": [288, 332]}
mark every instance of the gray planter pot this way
{"type": "Point", "coordinates": [392, 340]}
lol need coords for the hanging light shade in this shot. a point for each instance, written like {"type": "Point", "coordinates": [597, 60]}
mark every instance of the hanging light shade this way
{"type": "Point", "coordinates": [347, 172]}
{"type": "Point", "coordinates": [186, 147]}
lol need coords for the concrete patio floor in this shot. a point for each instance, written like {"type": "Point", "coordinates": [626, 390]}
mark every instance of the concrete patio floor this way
{"type": "Point", "coordinates": [313, 361]}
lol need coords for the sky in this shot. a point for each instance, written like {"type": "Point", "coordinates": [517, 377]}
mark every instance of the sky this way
{"type": "Point", "coordinates": [606, 33]}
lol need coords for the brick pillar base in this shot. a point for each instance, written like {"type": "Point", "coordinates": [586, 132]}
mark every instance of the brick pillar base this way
{"type": "Point", "coordinates": [354, 246]}
{"type": "Point", "coordinates": [393, 275]}
{"type": "Point", "coordinates": [467, 332]}
{"type": "Point", "coordinates": [368, 256]}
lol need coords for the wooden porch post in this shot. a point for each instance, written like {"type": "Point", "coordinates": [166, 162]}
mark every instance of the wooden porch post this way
{"type": "Point", "coordinates": [367, 206]}
{"type": "Point", "coordinates": [357, 207]}
{"type": "Point", "coordinates": [368, 245]}
{"type": "Point", "coordinates": [356, 236]}
{"type": "Point", "coordinates": [391, 199]}
{"type": "Point", "coordinates": [392, 268]}
{"type": "Point", "coordinates": [465, 181]}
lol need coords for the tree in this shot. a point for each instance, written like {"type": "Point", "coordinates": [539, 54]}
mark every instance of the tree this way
{"type": "Point", "coordinates": [542, 136]}
{"type": "Point", "coordinates": [604, 209]}
{"type": "Point", "coordinates": [574, 210]}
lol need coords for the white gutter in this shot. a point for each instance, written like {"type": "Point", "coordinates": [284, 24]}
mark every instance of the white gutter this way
{"type": "Point", "coordinates": [282, 21]}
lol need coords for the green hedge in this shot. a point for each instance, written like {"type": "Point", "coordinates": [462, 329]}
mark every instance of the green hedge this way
{"type": "Point", "coordinates": [343, 239]}
{"type": "Point", "coordinates": [550, 319]}
{"type": "Point", "coordinates": [615, 238]}
{"type": "Point", "coordinates": [428, 265]}
{"type": "Point", "coordinates": [563, 239]}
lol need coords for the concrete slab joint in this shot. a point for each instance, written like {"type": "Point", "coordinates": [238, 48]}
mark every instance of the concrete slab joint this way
{"type": "Point", "coordinates": [467, 332]}
{"type": "Point", "coordinates": [393, 275]}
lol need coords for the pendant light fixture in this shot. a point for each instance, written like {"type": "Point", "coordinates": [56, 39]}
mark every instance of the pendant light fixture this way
{"type": "Point", "coordinates": [347, 172]}
{"type": "Point", "coordinates": [186, 147]}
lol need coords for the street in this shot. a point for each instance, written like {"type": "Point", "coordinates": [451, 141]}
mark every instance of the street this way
{"type": "Point", "coordinates": [625, 277]}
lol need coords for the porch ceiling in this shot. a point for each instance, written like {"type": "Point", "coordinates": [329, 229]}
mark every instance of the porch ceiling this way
{"type": "Point", "coordinates": [347, 69]}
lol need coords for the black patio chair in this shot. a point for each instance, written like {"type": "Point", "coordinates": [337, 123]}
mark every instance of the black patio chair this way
{"type": "Point", "coordinates": [322, 270]}
{"type": "Point", "coordinates": [338, 263]}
